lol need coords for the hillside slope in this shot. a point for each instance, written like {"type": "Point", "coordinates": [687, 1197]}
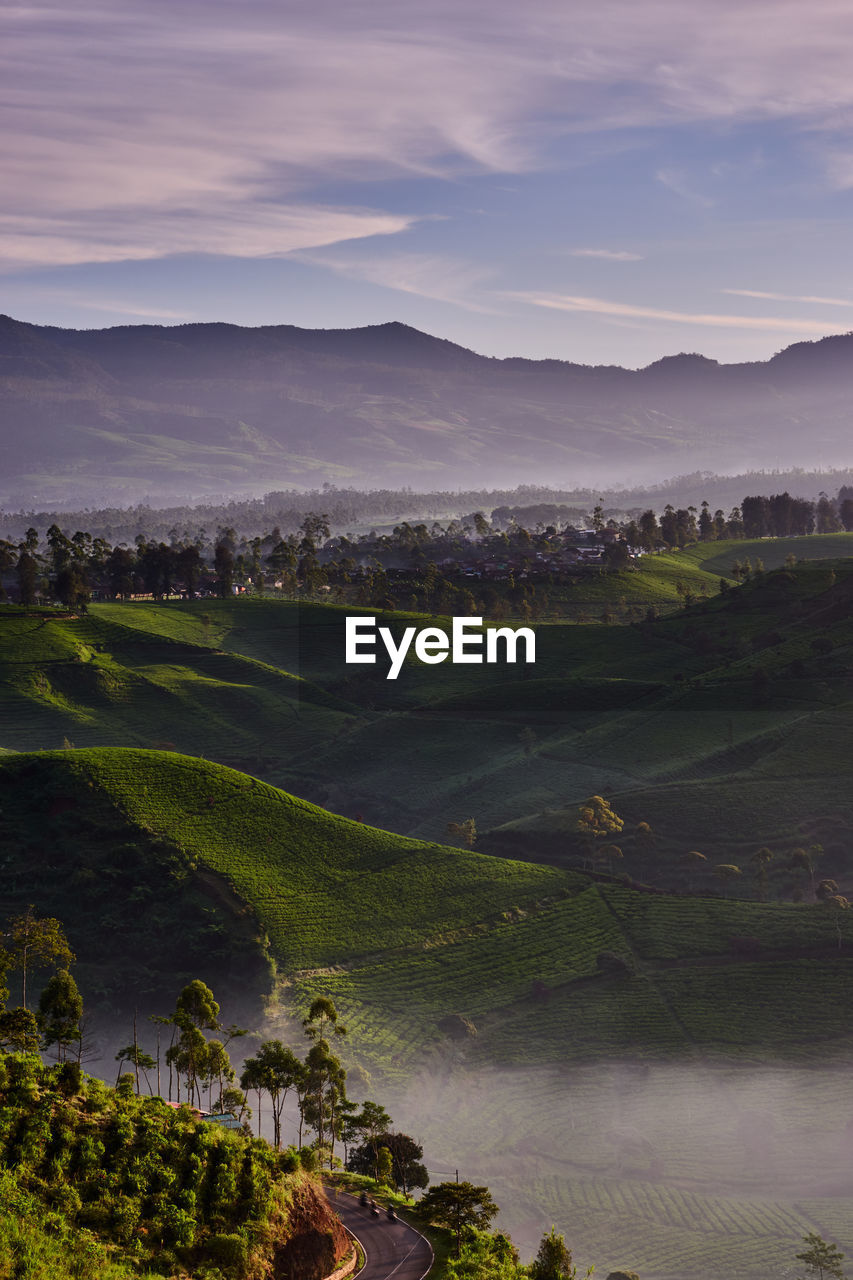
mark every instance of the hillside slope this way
{"type": "Point", "coordinates": [525, 1021]}
{"type": "Point", "coordinates": [96, 1181]}
{"type": "Point", "coordinates": [403, 933]}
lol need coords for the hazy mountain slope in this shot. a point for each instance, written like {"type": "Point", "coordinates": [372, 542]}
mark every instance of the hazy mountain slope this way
{"type": "Point", "coordinates": [202, 407]}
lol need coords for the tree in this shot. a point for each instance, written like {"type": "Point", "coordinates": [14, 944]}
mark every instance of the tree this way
{"type": "Point", "coordinates": [466, 831]}
{"type": "Point", "coordinates": [616, 556]}
{"type": "Point", "coordinates": [553, 1260]}
{"type": "Point", "coordinates": [727, 872]}
{"type": "Point", "coordinates": [407, 1170]}
{"type": "Point", "coordinates": [760, 862]}
{"type": "Point", "coordinates": [458, 1206]}
{"type": "Point", "coordinates": [324, 1087]}
{"type": "Point", "coordinates": [322, 1017]}
{"type": "Point", "coordinates": [384, 1166]}
{"type": "Point", "coordinates": [822, 1259]}
{"type": "Point", "coordinates": [223, 563]}
{"type": "Point", "coordinates": [27, 572]}
{"type": "Point", "coordinates": [595, 822]}
{"type": "Point", "coordinates": [196, 1011]}
{"type": "Point", "coordinates": [36, 943]}
{"type": "Point", "coordinates": [373, 1122]}
{"type": "Point", "coordinates": [275, 1069]}
{"type": "Point", "coordinates": [19, 1031]}
{"type": "Point", "coordinates": [486, 1257]}
{"type": "Point", "coordinates": [141, 1062]}
{"type": "Point", "coordinates": [60, 1011]}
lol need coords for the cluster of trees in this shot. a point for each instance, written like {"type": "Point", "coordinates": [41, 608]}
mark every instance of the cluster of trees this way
{"type": "Point", "coordinates": [778, 516]}
{"type": "Point", "coordinates": [95, 1181]}
{"type": "Point", "coordinates": [73, 568]}
{"type": "Point", "coordinates": [420, 566]}
{"type": "Point", "coordinates": [200, 1071]}
{"type": "Point", "coordinates": [32, 943]}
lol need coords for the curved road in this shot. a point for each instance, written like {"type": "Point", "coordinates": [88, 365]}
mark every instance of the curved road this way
{"type": "Point", "coordinates": [391, 1249]}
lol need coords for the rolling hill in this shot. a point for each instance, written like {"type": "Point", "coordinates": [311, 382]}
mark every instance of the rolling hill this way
{"type": "Point", "coordinates": [664, 1075]}
{"type": "Point", "coordinates": [510, 1012]}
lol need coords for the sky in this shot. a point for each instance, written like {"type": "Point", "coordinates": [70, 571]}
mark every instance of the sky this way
{"type": "Point", "coordinates": [603, 181]}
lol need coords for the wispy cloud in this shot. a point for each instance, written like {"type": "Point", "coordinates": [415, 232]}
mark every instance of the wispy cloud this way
{"type": "Point", "coordinates": [625, 310]}
{"type": "Point", "coordinates": [111, 306]}
{"type": "Point", "coordinates": [676, 181]}
{"type": "Point", "coordinates": [152, 129]}
{"type": "Point", "coordinates": [790, 297]}
{"type": "Point", "coordinates": [433, 276]}
{"type": "Point", "coordinates": [231, 229]}
{"type": "Point", "coordinates": [610, 255]}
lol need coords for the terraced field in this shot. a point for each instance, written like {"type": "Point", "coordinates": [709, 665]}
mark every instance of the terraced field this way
{"type": "Point", "coordinates": [445, 963]}
{"type": "Point", "coordinates": [520, 1016]}
{"type": "Point", "coordinates": [672, 1171]}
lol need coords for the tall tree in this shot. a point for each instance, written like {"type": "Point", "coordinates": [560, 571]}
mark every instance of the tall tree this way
{"type": "Point", "coordinates": [36, 942]}
{"type": "Point", "coordinates": [458, 1206]}
{"type": "Point", "coordinates": [276, 1070]}
{"type": "Point", "coordinates": [60, 1011]}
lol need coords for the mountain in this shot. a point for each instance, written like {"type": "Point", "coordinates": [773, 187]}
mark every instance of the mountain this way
{"type": "Point", "coordinates": [117, 414]}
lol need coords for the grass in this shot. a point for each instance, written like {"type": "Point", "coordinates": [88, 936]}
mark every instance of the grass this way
{"type": "Point", "coordinates": [665, 719]}
{"type": "Point", "coordinates": [404, 933]}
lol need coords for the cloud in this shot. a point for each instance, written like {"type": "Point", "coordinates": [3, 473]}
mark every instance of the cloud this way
{"type": "Point", "coordinates": [434, 276]}
{"type": "Point", "coordinates": [677, 181]}
{"type": "Point", "coordinates": [611, 255]}
{"type": "Point", "coordinates": [139, 128]}
{"type": "Point", "coordinates": [113, 306]}
{"type": "Point", "coordinates": [790, 297]}
{"type": "Point", "coordinates": [624, 310]}
{"type": "Point", "coordinates": [229, 229]}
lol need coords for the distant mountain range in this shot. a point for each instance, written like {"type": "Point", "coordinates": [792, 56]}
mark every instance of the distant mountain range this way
{"type": "Point", "coordinates": [146, 411]}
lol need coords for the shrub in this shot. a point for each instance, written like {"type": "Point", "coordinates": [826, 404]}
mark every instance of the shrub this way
{"type": "Point", "coordinates": [69, 1079]}
{"type": "Point", "coordinates": [228, 1250]}
{"type": "Point", "coordinates": [613, 965]}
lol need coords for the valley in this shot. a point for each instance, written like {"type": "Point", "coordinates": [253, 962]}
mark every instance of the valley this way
{"type": "Point", "coordinates": [627, 1043]}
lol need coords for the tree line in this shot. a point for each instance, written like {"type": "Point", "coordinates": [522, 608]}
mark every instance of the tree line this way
{"type": "Point", "coordinates": [418, 566]}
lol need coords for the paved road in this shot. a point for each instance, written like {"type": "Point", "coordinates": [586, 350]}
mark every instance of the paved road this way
{"type": "Point", "coordinates": [392, 1249]}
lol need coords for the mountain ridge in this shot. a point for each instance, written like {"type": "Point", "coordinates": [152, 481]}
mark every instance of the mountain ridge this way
{"type": "Point", "coordinates": [134, 408]}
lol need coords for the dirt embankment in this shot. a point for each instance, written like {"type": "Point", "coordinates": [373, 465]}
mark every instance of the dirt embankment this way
{"type": "Point", "coordinates": [314, 1243]}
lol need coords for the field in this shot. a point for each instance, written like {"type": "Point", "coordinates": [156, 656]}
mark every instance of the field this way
{"type": "Point", "coordinates": [672, 1171]}
{"type": "Point", "coordinates": [475, 990]}
{"type": "Point", "coordinates": [661, 1074]}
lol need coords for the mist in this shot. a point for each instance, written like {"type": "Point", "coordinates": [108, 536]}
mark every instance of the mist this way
{"type": "Point", "coordinates": [694, 1171]}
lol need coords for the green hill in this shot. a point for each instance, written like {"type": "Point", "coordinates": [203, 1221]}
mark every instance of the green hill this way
{"type": "Point", "coordinates": [261, 685]}
{"type": "Point", "coordinates": [97, 1182]}
{"type": "Point", "coordinates": [448, 964]}
{"type": "Point", "coordinates": [99, 680]}
{"type": "Point", "coordinates": [403, 933]}
{"type": "Point", "coordinates": [532, 1023]}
